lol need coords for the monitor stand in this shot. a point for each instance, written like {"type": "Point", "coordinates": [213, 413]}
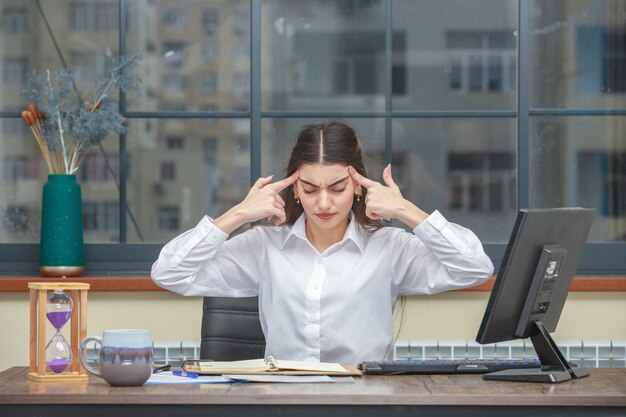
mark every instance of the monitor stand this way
{"type": "Point", "coordinates": [554, 366]}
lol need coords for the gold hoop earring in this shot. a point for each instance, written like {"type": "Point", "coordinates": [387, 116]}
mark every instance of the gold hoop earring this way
{"type": "Point", "coordinates": [358, 197]}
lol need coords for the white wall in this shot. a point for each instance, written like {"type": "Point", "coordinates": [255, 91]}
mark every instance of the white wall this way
{"type": "Point", "coordinates": [170, 317]}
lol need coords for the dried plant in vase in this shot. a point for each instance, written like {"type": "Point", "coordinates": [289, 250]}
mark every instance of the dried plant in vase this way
{"type": "Point", "coordinates": [64, 123]}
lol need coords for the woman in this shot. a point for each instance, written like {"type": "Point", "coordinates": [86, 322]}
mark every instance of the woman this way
{"type": "Point", "coordinates": [327, 272]}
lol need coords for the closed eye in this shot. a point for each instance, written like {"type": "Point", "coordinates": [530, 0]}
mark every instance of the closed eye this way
{"type": "Point", "coordinates": [334, 191]}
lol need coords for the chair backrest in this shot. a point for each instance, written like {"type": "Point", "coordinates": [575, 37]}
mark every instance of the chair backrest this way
{"type": "Point", "coordinates": [231, 329]}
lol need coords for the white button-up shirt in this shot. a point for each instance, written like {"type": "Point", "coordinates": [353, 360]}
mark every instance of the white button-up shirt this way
{"type": "Point", "coordinates": [333, 306]}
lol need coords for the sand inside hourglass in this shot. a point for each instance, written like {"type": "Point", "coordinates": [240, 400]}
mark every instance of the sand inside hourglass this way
{"type": "Point", "coordinates": [58, 352]}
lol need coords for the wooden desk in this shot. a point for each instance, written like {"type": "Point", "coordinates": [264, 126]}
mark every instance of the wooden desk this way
{"type": "Point", "coordinates": [603, 393]}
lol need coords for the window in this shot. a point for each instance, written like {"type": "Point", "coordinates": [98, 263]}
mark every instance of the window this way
{"type": "Point", "coordinates": [602, 59]}
{"type": "Point", "coordinates": [168, 171]}
{"type": "Point", "coordinates": [13, 126]}
{"type": "Point", "coordinates": [480, 61]}
{"type": "Point", "coordinates": [98, 167]}
{"type": "Point", "coordinates": [614, 75]}
{"type": "Point", "coordinates": [16, 219]}
{"type": "Point", "coordinates": [175, 17]}
{"type": "Point", "coordinates": [209, 149]}
{"type": "Point", "coordinates": [481, 181]}
{"type": "Point", "coordinates": [241, 145]}
{"type": "Point", "coordinates": [175, 143]}
{"type": "Point", "coordinates": [14, 21]}
{"type": "Point", "coordinates": [353, 66]}
{"type": "Point", "coordinates": [14, 70]}
{"type": "Point", "coordinates": [602, 181]}
{"type": "Point", "coordinates": [449, 119]}
{"type": "Point", "coordinates": [241, 126]}
{"type": "Point", "coordinates": [94, 17]}
{"type": "Point", "coordinates": [209, 83]}
{"type": "Point", "coordinates": [241, 84]}
{"type": "Point", "coordinates": [398, 79]}
{"type": "Point", "coordinates": [241, 50]}
{"type": "Point", "coordinates": [20, 167]}
{"type": "Point", "coordinates": [209, 51]}
{"type": "Point", "coordinates": [242, 177]}
{"type": "Point", "coordinates": [102, 216]}
{"type": "Point", "coordinates": [174, 53]}
{"type": "Point", "coordinates": [88, 66]}
{"type": "Point", "coordinates": [209, 21]}
{"type": "Point", "coordinates": [209, 108]}
{"type": "Point", "coordinates": [241, 22]}
{"type": "Point", "coordinates": [175, 81]}
{"type": "Point", "coordinates": [169, 218]}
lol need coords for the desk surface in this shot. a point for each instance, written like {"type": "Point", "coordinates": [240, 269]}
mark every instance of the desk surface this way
{"type": "Point", "coordinates": [602, 393]}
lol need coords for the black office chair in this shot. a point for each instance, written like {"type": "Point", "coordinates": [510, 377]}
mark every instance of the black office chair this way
{"type": "Point", "coordinates": [231, 329]}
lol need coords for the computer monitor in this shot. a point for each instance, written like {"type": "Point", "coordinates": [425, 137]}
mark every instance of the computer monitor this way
{"type": "Point", "coordinates": [531, 288]}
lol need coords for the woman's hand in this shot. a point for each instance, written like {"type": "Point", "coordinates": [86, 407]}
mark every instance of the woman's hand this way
{"type": "Point", "coordinates": [386, 201]}
{"type": "Point", "coordinates": [261, 202]}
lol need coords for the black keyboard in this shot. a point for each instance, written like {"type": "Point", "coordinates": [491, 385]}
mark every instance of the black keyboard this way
{"type": "Point", "coordinates": [445, 366]}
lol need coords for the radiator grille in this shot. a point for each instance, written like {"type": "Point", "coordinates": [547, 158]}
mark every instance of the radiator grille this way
{"type": "Point", "coordinates": [588, 353]}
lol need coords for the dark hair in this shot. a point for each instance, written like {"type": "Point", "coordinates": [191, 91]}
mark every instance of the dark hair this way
{"type": "Point", "coordinates": [327, 143]}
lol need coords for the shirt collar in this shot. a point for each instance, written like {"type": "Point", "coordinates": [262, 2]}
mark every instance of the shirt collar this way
{"type": "Point", "coordinates": [353, 232]}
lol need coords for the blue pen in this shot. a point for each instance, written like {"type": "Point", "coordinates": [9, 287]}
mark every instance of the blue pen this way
{"type": "Point", "coordinates": [183, 373]}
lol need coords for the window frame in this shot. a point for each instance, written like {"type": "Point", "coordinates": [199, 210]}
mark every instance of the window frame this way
{"type": "Point", "coordinates": [122, 258]}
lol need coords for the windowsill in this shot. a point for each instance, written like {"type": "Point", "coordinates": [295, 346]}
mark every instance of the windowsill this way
{"type": "Point", "coordinates": [138, 283]}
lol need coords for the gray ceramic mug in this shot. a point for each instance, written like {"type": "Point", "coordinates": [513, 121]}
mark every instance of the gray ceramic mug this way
{"type": "Point", "coordinates": [126, 356]}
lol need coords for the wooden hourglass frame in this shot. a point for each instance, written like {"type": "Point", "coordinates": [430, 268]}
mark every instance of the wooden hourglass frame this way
{"type": "Point", "coordinates": [39, 323]}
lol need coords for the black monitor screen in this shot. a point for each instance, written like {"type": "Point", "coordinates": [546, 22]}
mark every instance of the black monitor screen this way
{"type": "Point", "coordinates": [532, 285]}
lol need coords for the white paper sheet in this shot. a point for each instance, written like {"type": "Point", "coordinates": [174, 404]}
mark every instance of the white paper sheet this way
{"type": "Point", "coordinates": [168, 378]}
{"type": "Point", "coordinates": [292, 379]}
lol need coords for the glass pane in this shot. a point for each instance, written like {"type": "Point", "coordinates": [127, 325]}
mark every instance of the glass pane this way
{"type": "Point", "coordinates": [192, 54]}
{"type": "Point", "coordinates": [465, 168]}
{"type": "Point", "coordinates": [279, 137]}
{"type": "Point", "coordinates": [87, 36]}
{"type": "Point", "coordinates": [98, 176]}
{"type": "Point", "coordinates": [454, 54]}
{"type": "Point", "coordinates": [85, 33]}
{"type": "Point", "coordinates": [578, 53]}
{"type": "Point", "coordinates": [581, 161]}
{"type": "Point", "coordinates": [323, 55]}
{"type": "Point", "coordinates": [24, 172]}
{"type": "Point", "coordinates": [182, 169]}
{"type": "Point", "coordinates": [23, 175]}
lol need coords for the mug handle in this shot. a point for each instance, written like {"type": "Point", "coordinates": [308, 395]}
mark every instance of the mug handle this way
{"type": "Point", "coordinates": [81, 354]}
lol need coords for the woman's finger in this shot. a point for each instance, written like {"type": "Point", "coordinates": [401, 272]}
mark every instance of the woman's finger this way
{"type": "Point", "coordinates": [286, 182]}
{"type": "Point", "coordinates": [389, 179]}
{"type": "Point", "coordinates": [278, 198]}
{"type": "Point", "coordinates": [365, 182]}
{"type": "Point", "coordinates": [262, 182]}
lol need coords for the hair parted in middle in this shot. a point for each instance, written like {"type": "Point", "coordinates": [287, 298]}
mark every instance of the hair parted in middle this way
{"type": "Point", "coordinates": [331, 142]}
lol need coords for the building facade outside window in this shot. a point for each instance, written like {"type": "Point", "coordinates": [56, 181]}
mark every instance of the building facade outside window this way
{"type": "Point", "coordinates": [210, 20]}
{"type": "Point", "coordinates": [433, 88]}
{"type": "Point", "coordinates": [175, 17]}
{"type": "Point", "coordinates": [14, 21]}
{"type": "Point", "coordinates": [15, 70]}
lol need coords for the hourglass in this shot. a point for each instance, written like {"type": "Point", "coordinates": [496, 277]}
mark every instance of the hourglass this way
{"type": "Point", "coordinates": [57, 303]}
{"type": "Point", "coordinates": [58, 310]}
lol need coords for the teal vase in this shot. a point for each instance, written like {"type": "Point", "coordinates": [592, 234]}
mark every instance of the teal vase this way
{"type": "Point", "coordinates": [61, 249]}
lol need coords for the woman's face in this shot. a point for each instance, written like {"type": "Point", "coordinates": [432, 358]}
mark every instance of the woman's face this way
{"type": "Point", "coordinates": [326, 193]}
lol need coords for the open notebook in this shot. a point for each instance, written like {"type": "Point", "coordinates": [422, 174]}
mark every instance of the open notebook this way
{"type": "Point", "coordinates": [269, 365]}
